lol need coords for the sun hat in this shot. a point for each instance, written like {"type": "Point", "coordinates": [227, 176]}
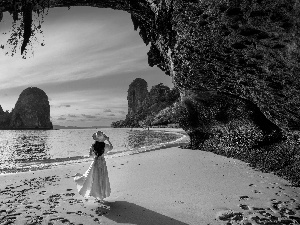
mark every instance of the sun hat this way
{"type": "Point", "coordinates": [99, 136]}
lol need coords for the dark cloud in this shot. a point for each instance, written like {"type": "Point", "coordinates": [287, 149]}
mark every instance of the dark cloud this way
{"type": "Point", "coordinates": [122, 112]}
{"type": "Point", "coordinates": [106, 110]}
{"type": "Point", "coordinates": [61, 118]}
{"type": "Point", "coordinates": [111, 114]}
{"type": "Point", "coordinates": [71, 115]}
{"type": "Point", "coordinates": [88, 116]}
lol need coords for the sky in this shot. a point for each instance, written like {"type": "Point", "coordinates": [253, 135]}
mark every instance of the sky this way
{"type": "Point", "coordinates": [88, 59]}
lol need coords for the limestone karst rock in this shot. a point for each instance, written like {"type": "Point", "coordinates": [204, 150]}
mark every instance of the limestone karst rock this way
{"type": "Point", "coordinates": [32, 110]}
{"type": "Point", "coordinates": [137, 93]}
{"type": "Point", "coordinates": [143, 105]}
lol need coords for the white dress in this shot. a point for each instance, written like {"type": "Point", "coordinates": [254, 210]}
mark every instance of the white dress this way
{"type": "Point", "coordinates": [94, 182]}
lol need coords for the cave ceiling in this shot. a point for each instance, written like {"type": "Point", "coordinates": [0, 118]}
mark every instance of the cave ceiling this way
{"type": "Point", "coordinates": [22, 10]}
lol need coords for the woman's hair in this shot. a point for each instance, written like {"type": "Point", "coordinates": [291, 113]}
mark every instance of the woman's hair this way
{"type": "Point", "coordinates": [99, 148]}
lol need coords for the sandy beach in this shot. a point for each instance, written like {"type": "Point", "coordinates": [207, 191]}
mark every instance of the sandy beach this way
{"type": "Point", "coordinates": [167, 186]}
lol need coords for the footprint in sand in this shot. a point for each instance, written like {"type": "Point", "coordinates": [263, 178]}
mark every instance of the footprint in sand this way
{"type": "Point", "coordinates": [42, 192]}
{"type": "Point", "coordinates": [296, 218]}
{"type": "Point", "coordinates": [230, 216]}
{"type": "Point", "coordinates": [69, 194]}
{"type": "Point", "coordinates": [100, 211]}
{"type": "Point", "coordinates": [60, 219]}
{"type": "Point", "coordinates": [244, 197]}
{"type": "Point", "coordinates": [244, 207]}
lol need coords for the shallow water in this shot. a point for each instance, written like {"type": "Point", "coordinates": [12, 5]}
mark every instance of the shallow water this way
{"type": "Point", "coordinates": [23, 150]}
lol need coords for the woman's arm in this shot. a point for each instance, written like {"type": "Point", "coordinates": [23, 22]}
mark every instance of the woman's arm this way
{"type": "Point", "coordinates": [108, 147]}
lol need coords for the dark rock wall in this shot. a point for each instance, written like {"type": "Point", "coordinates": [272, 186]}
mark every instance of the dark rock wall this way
{"type": "Point", "coordinates": [32, 110]}
{"type": "Point", "coordinates": [242, 52]}
{"type": "Point", "coordinates": [249, 49]}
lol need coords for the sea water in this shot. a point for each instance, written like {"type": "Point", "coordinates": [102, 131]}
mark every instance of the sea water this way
{"type": "Point", "coordinates": [24, 150]}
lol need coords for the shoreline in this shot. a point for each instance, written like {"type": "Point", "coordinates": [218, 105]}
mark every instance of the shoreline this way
{"type": "Point", "coordinates": [166, 186]}
{"type": "Point", "coordinates": [53, 163]}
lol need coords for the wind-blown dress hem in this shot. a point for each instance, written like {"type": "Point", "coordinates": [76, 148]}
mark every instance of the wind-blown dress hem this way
{"type": "Point", "coordinates": [94, 182]}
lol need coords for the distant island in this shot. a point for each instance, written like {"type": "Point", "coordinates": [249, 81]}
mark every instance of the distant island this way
{"type": "Point", "coordinates": [57, 127]}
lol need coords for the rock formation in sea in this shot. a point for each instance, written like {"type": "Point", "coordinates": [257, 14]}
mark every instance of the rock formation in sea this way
{"type": "Point", "coordinates": [137, 93]}
{"type": "Point", "coordinates": [32, 110]}
{"type": "Point", "coordinates": [143, 105]}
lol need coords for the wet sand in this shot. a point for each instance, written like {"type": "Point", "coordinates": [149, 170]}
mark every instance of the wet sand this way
{"type": "Point", "coordinates": [168, 186]}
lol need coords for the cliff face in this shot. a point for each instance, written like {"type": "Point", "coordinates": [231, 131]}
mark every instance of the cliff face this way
{"type": "Point", "coordinates": [224, 54]}
{"type": "Point", "coordinates": [241, 50]}
{"type": "Point", "coordinates": [137, 93]}
{"type": "Point", "coordinates": [32, 110]}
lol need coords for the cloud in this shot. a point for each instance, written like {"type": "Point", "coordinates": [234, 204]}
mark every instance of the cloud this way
{"type": "Point", "coordinates": [61, 106]}
{"type": "Point", "coordinates": [65, 105]}
{"type": "Point", "coordinates": [90, 58]}
{"type": "Point", "coordinates": [102, 47]}
{"type": "Point", "coordinates": [89, 116]}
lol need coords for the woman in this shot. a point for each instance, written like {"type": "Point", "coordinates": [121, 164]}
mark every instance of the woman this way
{"type": "Point", "coordinates": [95, 182]}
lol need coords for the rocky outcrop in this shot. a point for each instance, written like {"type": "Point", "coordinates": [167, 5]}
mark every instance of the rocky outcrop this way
{"type": "Point", "coordinates": [143, 106]}
{"type": "Point", "coordinates": [137, 93]}
{"type": "Point", "coordinates": [32, 110]}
